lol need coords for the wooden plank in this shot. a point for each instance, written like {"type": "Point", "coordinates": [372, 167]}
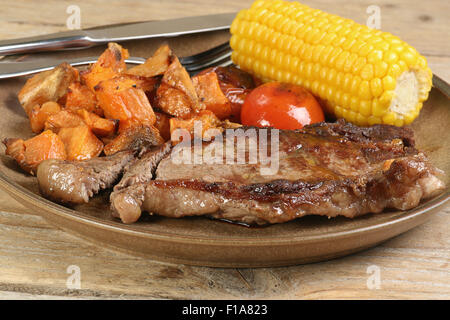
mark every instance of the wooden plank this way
{"type": "Point", "coordinates": [34, 257]}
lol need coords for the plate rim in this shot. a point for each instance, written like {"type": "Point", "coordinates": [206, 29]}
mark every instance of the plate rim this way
{"type": "Point", "coordinates": [21, 192]}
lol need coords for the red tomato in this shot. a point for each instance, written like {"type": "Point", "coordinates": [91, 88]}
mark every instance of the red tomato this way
{"type": "Point", "coordinates": [282, 106]}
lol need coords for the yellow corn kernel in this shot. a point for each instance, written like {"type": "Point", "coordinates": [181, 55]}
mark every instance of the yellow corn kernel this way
{"type": "Point", "coordinates": [409, 57]}
{"type": "Point", "coordinates": [347, 82]}
{"type": "Point", "coordinates": [389, 118]}
{"type": "Point", "coordinates": [361, 120]}
{"type": "Point", "coordinates": [386, 98]}
{"type": "Point", "coordinates": [398, 122]}
{"type": "Point", "coordinates": [341, 60]}
{"type": "Point", "coordinates": [351, 115]}
{"type": "Point", "coordinates": [358, 65]}
{"type": "Point", "coordinates": [354, 103]}
{"type": "Point", "coordinates": [364, 90]}
{"type": "Point", "coordinates": [365, 107]}
{"type": "Point", "coordinates": [365, 50]}
{"type": "Point", "coordinates": [377, 109]}
{"type": "Point", "coordinates": [348, 65]}
{"type": "Point", "coordinates": [373, 120]}
{"type": "Point", "coordinates": [338, 111]}
{"type": "Point", "coordinates": [375, 56]}
{"type": "Point", "coordinates": [395, 71]}
{"type": "Point", "coordinates": [389, 83]}
{"type": "Point", "coordinates": [380, 69]}
{"type": "Point", "coordinates": [390, 57]}
{"type": "Point", "coordinates": [376, 86]}
{"type": "Point", "coordinates": [354, 88]}
{"type": "Point", "coordinates": [367, 72]}
{"type": "Point", "coordinates": [410, 118]}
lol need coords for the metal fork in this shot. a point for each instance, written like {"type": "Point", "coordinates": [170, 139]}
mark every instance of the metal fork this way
{"type": "Point", "coordinates": [217, 56]}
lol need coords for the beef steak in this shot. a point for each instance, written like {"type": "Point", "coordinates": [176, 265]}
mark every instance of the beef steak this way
{"type": "Point", "coordinates": [140, 171]}
{"type": "Point", "coordinates": [326, 169]}
{"type": "Point", "coordinates": [74, 182]}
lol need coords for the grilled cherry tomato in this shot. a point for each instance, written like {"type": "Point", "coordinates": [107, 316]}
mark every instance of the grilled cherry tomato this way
{"type": "Point", "coordinates": [282, 106]}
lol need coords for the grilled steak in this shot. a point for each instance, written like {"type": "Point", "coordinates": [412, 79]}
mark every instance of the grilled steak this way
{"type": "Point", "coordinates": [74, 182]}
{"type": "Point", "coordinates": [326, 169]}
{"type": "Point", "coordinates": [143, 168]}
{"type": "Point", "coordinates": [140, 171]}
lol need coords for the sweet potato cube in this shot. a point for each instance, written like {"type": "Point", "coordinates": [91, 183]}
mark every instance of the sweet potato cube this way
{"type": "Point", "coordinates": [236, 84]}
{"type": "Point", "coordinates": [101, 127]}
{"type": "Point", "coordinates": [163, 125]}
{"type": "Point", "coordinates": [144, 83]}
{"type": "Point", "coordinates": [211, 96]}
{"type": "Point", "coordinates": [131, 81]}
{"type": "Point", "coordinates": [46, 86]}
{"type": "Point", "coordinates": [79, 96]}
{"type": "Point", "coordinates": [155, 65]}
{"type": "Point", "coordinates": [39, 115]}
{"type": "Point", "coordinates": [176, 95]}
{"type": "Point", "coordinates": [173, 101]}
{"type": "Point", "coordinates": [204, 119]}
{"type": "Point", "coordinates": [63, 119]}
{"type": "Point", "coordinates": [80, 143]}
{"type": "Point", "coordinates": [30, 153]}
{"type": "Point", "coordinates": [110, 64]}
{"type": "Point", "coordinates": [121, 99]}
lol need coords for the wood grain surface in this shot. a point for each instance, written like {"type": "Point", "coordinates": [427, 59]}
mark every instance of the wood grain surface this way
{"type": "Point", "coordinates": [35, 256]}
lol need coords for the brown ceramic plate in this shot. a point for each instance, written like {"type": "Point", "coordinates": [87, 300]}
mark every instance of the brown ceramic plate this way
{"type": "Point", "coordinates": [201, 241]}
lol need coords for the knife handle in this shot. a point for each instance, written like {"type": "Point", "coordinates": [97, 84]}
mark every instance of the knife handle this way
{"type": "Point", "coordinates": [57, 41]}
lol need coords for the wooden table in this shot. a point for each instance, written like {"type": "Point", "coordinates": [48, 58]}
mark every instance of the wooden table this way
{"type": "Point", "coordinates": [35, 256]}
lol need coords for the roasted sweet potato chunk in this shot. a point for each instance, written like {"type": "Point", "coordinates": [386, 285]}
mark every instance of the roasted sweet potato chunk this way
{"type": "Point", "coordinates": [47, 86]}
{"type": "Point", "coordinates": [63, 119]}
{"type": "Point", "coordinates": [121, 99]}
{"type": "Point", "coordinates": [234, 77]}
{"type": "Point", "coordinates": [134, 138]}
{"type": "Point", "coordinates": [79, 96]}
{"type": "Point", "coordinates": [173, 101]}
{"type": "Point", "coordinates": [176, 95]}
{"type": "Point", "coordinates": [211, 96]}
{"type": "Point", "coordinates": [236, 84]}
{"type": "Point", "coordinates": [30, 153]}
{"type": "Point", "coordinates": [144, 83]}
{"type": "Point", "coordinates": [163, 125]}
{"type": "Point", "coordinates": [110, 64]}
{"type": "Point", "coordinates": [101, 127]}
{"type": "Point", "coordinates": [155, 65]}
{"type": "Point", "coordinates": [197, 126]}
{"type": "Point", "coordinates": [80, 142]}
{"type": "Point", "coordinates": [39, 115]}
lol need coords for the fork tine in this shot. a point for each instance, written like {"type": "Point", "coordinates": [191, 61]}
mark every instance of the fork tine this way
{"type": "Point", "coordinates": [223, 58]}
{"type": "Point", "coordinates": [194, 59]}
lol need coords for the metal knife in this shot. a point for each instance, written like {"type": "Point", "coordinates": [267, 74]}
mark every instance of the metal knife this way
{"type": "Point", "coordinates": [78, 39]}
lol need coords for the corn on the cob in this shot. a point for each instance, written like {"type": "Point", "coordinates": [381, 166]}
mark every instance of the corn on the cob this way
{"type": "Point", "coordinates": [363, 75]}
